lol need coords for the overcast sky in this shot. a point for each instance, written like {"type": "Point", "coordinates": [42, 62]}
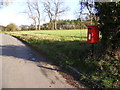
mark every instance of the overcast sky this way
{"type": "Point", "coordinates": [13, 13]}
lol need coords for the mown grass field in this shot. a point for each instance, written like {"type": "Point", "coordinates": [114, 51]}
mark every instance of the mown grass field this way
{"type": "Point", "coordinates": [68, 47]}
{"type": "Point", "coordinates": [60, 33]}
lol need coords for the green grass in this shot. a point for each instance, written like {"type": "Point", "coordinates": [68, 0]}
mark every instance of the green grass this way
{"type": "Point", "coordinates": [60, 34]}
{"type": "Point", "coordinates": [69, 47]}
{"type": "Point", "coordinates": [79, 33]}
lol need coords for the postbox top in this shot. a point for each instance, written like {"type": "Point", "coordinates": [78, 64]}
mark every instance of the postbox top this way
{"type": "Point", "coordinates": [92, 26]}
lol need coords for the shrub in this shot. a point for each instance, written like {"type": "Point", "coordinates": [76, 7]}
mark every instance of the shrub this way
{"type": "Point", "coordinates": [11, 27]}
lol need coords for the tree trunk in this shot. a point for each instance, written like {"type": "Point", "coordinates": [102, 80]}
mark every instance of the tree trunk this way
{"type": "Point", "coordinates": [38, 16]}
{"type": "Point", "coordinates": [35, 24]}
{"type": "Point", "coordinates": [38, 24]}
{"type": "Point", "coordinates": [55, 25]}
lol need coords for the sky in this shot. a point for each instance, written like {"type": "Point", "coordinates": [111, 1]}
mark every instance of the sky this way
{"type": "Point", "coordinates": [13, 13]}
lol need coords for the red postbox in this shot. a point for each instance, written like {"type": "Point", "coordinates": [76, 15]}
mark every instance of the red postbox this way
{"type": "Point", "coordinates": [93, 34]}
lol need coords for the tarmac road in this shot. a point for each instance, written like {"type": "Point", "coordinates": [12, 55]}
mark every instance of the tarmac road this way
{"type": "Point", "coordinates": [19, 67]}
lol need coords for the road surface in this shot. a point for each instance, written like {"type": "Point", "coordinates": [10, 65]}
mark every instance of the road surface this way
{"type": "Point", "coordinates": [19, 67]}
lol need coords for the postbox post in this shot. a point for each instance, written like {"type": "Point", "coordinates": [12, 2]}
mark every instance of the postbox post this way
{"type": "Point", "coordinates": [92, 50]}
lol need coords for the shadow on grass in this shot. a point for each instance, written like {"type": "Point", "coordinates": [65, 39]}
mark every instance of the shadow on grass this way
{"type": "Point", "coordinates": [65, 53]}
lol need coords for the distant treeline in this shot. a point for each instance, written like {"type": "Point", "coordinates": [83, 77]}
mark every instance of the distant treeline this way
{"type": "Point", "coordinates": [66, 24]}
{"type": "Point", "coordinates": [61, 25]}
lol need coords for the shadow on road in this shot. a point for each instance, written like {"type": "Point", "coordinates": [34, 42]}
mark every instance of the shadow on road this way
{"type": "Point", "coordinates": [18, 52]}
{"type": "Point", "coordinates": [50, 68]}
{"type": "Point", "coordinates": [22, 52]}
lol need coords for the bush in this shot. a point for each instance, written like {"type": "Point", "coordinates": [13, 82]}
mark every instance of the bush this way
{"type": "Point", "coordinates": [11, 27]}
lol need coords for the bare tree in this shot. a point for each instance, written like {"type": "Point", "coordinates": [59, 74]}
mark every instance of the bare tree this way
{"type": "Point", "coordinates": [90, 13]}
{"type": "Point", "coordinates": [31, 14]}
{"type": "Point", "coordinates": [34, 13]}
{"type": "Point", "coordinates": [37, 9]}
{"type": "Point", "coordinates": [48, 10]}
{"type": "Point", "coordinates": [54, 9]}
